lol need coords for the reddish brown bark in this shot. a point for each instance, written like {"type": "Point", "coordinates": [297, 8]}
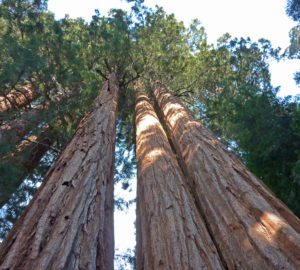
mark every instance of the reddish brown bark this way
{"type": "Point", "coordinates": [250, 226]}
{"type": "Point", "coordinates": [170, 231]}
{"type": "Point", "coordinates": [16, 98]}
{"type": "Point", "coordinates": [69, 222]}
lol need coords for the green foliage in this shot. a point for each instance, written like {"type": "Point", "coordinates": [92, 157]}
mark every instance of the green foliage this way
{"type": "Point", "coordinates": [66, 61]}
{"type": "Point", "coordinates": [162, 47]}
{"type": "Point", "coordinates": [294, 48]}
{"type": "Point", "coordinates": [293, 9]}
{"type": "Point", "coordinates": [21, 26]}
{"type": "Point", "coordinates": [264, 130]}
{"type": "Point", "coordinates": [293, 51]}
{"type": "Point", "coordinates": [240, 105]}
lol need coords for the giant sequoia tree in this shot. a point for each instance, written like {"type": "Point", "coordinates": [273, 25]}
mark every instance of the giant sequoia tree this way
{"type": "Point", "coordinates": [236, 205]}
{"type": "Point", "coordinates": [69, 222]}
{"type": "Point", "coordinates": [207, 199]}
{"type": "Point", "coordinates": [170, 232]}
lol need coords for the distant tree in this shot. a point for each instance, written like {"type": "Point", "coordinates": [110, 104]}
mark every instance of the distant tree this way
{"type": "Point", "coordinates": [293, 9]}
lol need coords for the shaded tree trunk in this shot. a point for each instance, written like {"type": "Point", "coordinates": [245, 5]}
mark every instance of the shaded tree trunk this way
{"type": "Point", "coordinates": [170, 231]}
{"type": "Point", "coordinates": [17, 165]}
{"type": "Point", "coordinates": [28, 153]}
{"type": "Point", "coordinates": [69, 222]}
{"type": "Point", "coordinates": [14, 131]}
{"type": "Point", "coordinates": [250, 226]}
{"type": "Point", "coordinates": [17, 98]}
{"type": "Point", "coordinates": [21, 162]}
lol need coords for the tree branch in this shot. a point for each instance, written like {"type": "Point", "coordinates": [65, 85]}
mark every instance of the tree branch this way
{"type": "Point", "coordinates": [131, 80]}
{"type": "Point", "coordinates": [186, 91]}
{"type": "Point", "coordinates": [20, 91]}
{"type": "Point", "coordinates": [183, 93]}
{"type": "Point", "coordinates": [107, 65]}
{"type": "Point", "coordinates": [101, 74]}
{"type": "Point", "coordinates": [51, 147]}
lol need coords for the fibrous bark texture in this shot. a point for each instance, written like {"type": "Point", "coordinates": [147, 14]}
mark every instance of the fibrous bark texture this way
{"type": "Point", "coordinates": [170, 232]}
{"type": "Point", "coordinates": [250, 227]}
{"type": "Point", "coordinates": [69, 222]}
{"type": "Point", "coordinates": [17, 98]}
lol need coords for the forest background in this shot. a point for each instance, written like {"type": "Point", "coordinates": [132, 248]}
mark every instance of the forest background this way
{"type": "Point", "coordinates": [227, 85]}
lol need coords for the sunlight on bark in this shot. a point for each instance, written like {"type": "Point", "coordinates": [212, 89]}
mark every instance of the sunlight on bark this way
{"type": "Point", "coordinates": [170, 232]}
{"type": "Point", "coordinates": [17, 98]}
{"type": "Point", "coordinates": [169, 109]}
{"type": "Point", "coordinates": [252, 227]}
{"type": "Point", "coordinates": [32, 138]}
{"type": "Point", "coordinates": [146, 126]}
{"type": "Point", "coordinates": [22, 146]}
{"type": "Point", "coordinates": [268, 227]}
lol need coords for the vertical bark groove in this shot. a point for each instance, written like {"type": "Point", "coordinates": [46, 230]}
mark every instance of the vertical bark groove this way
{"type": "Point", "coordinates": [170, 231]}
{"type": "Point", "coordinates": [252, 228]}
{"type": "Point", "coordinates": [69, 222]}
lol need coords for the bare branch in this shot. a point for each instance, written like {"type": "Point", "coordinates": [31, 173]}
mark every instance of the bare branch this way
{"type": "Point", "coordinates": [131, 80]}
{"type": "Point", "coordinates": [101, 74]}
{"type": "Point", "coordinates": [51, 147]}
{"type": "Point", "coordinates": [107, 65]}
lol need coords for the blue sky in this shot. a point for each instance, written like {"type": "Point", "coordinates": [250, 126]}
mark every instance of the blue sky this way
{"type": "Point", "coordinates": [241, 18]}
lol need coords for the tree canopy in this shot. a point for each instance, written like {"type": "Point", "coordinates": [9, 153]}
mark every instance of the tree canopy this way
{"type": "Point", "coordinates": [293, 9]}
{"type": "Point", "coordinates": [66, 61]}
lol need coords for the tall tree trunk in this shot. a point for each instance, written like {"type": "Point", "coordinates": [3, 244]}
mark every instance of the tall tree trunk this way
{"type": "Point", "coordinates": [22, 161]}
{"type": "Point", "coordinates": [69, 222]}
{"type": "Point", "coordinates": [170, 231]}
{"type": "Point", "coordinates": [17, 98]}
{"type": "Point", "coordinates": [251, 227]}
{"type": "Point", "coordinates": [28, 153]}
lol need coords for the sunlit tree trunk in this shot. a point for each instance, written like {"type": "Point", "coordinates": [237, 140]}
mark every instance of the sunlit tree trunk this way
{"type": "Point", "coordinates": [251, 228]}
{"type": "Point", "coordinates": [22, 161]}
{"type": "Point", "coordinates": [170, 231]}
{"type": "Point", "coordinates": [17, 98]}
{"type": "Point", "coordinates": [69, 222]}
